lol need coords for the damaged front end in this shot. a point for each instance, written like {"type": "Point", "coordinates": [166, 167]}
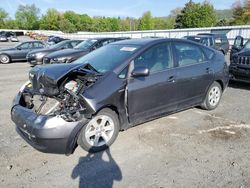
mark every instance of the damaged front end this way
{"type": "Point", "coordinates": [49, 110]}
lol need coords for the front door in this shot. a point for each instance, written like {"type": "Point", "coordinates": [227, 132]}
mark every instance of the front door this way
{"type": "Point", "coordinates": [22, 51]}
{"type": "Point", "coordinates": [154, 94]}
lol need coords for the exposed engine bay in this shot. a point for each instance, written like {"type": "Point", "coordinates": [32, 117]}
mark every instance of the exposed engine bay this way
{"type": "Point", "coordinates": [58, 96]}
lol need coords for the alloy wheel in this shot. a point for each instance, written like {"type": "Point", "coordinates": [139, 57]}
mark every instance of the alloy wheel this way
{"type": "Point", "coordinates": [4, 59]}
{"type": "Point", "coordinates": [99, 131]}
{"type": "Point", "coordinates": [214, 96]}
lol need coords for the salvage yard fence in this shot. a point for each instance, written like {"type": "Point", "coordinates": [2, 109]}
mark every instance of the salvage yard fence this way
{"type": "Point", "coordinates": [230, 31]}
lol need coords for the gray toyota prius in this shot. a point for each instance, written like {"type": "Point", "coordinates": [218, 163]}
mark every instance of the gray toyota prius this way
{"type": "Point", "coordinates": [114, 88]}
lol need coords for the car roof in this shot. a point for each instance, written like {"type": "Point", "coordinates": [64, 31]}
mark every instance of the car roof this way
{"type": "Point", "coordinates": [199, 36]}
{"type": "Point", "coordinates": [211, 34]}
{"type": "Point", "coordinates": [34, 41]}
{"type": "Point", "coordinates": [143, 41]}
{"type": "Point", "coordinates": [103, 38]}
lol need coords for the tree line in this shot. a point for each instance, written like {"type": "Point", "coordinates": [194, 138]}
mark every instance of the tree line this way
{"type": "Point", "coordinates": [190, 16]}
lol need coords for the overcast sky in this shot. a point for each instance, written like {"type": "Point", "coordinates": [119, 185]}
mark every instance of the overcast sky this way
{"type": "Point", "coordinates": [122, 8]}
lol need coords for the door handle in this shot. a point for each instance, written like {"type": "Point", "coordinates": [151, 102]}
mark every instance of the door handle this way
{"type": "Point", "coordinates": [171, 79]}
{"type": "Point", "coordinates": [209, 71]}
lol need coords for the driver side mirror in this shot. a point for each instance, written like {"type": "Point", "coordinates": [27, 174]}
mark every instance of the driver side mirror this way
{"type": "Point", "coordinates": [140, 72]}
{"type": "Point", "coordinates": [18, 48]}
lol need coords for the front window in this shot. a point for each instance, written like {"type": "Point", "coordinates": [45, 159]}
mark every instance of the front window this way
{"type": "Point", "coordinates": [156, 59]}
{"type": "Point", "coordinates": [26, 45]}
{"type": "Point", "coordinates": [107, 58]}
{"type": "Point", "coordinates": [86, 45]}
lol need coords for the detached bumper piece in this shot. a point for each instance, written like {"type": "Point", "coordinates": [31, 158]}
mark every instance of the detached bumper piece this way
{"type": "Point", "coordinates": [49, 134]}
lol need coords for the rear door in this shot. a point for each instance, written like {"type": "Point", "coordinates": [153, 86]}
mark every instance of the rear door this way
{"type": "Point", "coordinates": [152, 95]}
{"type": "Point", "coordinates": [194, 73]}
{"type": "Point", "coordinates": [38, 45]}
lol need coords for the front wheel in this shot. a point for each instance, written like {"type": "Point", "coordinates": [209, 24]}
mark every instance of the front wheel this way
{"type": "Point", "coordinates": [213, 97]}
{"type": "Point", "coordinates": [4, 59]}
{"type": "Point", "coordinates": [100, 132]}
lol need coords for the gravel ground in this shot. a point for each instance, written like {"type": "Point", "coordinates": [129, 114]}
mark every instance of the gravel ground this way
{"type": "Point", "coordinates": [193, 148]}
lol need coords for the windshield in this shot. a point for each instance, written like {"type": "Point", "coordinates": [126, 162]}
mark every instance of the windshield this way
{"type": "Point", "coordinates": [58, 45]}
{"type": "Point", "coordinates": [18, 45]}
{"type": "Point", "coordinates": [247, 45]}
{"type": "Point", "coordinates": [85, 45]}
{"type": "Point", "coordinates": [107, 58]}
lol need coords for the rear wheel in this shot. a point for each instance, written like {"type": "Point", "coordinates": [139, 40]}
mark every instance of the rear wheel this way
{"type": "Point", "coordinates": [100, 132]}
{"type": "Point", "coordinates": [4, 59]}
{"type": "Point", "coordinates": [213, 97]}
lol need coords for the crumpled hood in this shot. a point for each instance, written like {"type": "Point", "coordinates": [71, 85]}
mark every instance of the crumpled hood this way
{"type": "Point", "coordinates": [66, 53]}
{"type": "Point", "coordinates": [52, 73]}
{"type": "Point", "coordinates": [47, 77]}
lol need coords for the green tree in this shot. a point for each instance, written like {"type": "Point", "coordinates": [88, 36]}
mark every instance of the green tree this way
{"type": "Point", "coordinates": [238, 14]}
{"type": "Point", "coordinates": [100, 24]}
{"type": "Point", "coordinates": [246, 14]}
{"type": "Point", "coordinates": [196, 15]}
{"type": "Point", "coordinates": [66, 26]}
{"type": "Point", "coordinates": [128, 24]}
{"type": "Point", "coordinates": [11, 24]}
{"type": "Point", "coordinates": [27, 17]}
{"type": "Point", "coordinates": [50, 20]}
{"type": "Point", "coordinates": [3, 17]}
{"type": "Point", "coordinates": [113, 23]}
{"type": "Point", "coordinates": [86, 23]}
{"type": "Point", "coordinates": [164, 23]}
{"type": "Point", "coordinates": [222, 22]}
{"type": "Point", "coordinates": [146, 22]}
{"type": "Point", "coordinates": [73, 18]}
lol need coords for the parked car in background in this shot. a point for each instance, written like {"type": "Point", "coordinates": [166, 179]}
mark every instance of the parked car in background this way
{"type": "Point", "coordinates": [54, 40]}
{"type": "Point", "coordinates": [35, 57]}
{"type": "Point", "coordinates": [113, 88]}
{"type": "Point", "coordinates": [69, 55]}
{"type": "Point", "coordinates": [19, 52]}
{"type": "Point", "coordinates": [6, 36]}
{"type": "Point", "coordinates": [240, 60]}
{"type": "Point", "coordinates": [3, 38]}
{"type": "Point", "coordinates": [14, 39]}
{"type": "Point", "coordinates": [216, 41]}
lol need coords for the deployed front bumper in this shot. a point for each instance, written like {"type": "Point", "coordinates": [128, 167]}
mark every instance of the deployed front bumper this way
{"type": "Point", "coordinates": [49, 134]}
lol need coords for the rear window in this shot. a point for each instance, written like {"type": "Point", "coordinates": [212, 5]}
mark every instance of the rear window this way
{"type": "Point", "coordinates": [188, 54]}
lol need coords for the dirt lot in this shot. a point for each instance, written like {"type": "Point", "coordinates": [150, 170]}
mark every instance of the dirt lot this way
{"type": "Point", "coordinates": [193, 148]}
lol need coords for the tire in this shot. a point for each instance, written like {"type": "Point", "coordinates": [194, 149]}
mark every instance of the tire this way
{"type": "Point", "coordinates": [213, 97]}
{"type": "Point", "coordinates": [100, 132]}
{"type": "Point", "coordinates": [4, 59]}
